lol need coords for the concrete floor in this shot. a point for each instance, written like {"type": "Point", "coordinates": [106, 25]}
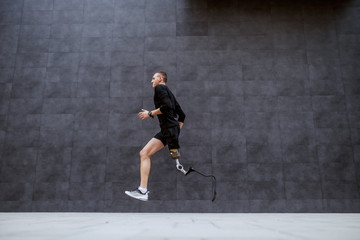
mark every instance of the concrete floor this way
{"type": "Point", "coordinates": [108, 226]}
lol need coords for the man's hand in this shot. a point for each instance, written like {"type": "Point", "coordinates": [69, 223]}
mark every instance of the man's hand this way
{"type": "Point", "coordinates": [144, 114]}
{"type": "Point", "coordinates": [181, 124]}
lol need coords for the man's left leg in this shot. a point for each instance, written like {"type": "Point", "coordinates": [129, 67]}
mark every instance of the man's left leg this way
{"type": "Point", "coordinates": [153, 146]}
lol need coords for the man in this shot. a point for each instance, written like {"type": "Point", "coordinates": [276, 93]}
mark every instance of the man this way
{"type": "Point", "coordinates": [171, 119]}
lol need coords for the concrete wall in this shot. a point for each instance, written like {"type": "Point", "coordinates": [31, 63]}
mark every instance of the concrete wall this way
{"type": "Point", "coordinates": [270, 88]}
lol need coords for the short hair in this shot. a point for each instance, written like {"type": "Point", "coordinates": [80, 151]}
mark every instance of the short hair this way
{"type": "Point", "coordinates": [163, 75]}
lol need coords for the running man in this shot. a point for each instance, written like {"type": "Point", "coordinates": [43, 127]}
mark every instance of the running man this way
{"type": "Point", "coordinates": [171, 119]}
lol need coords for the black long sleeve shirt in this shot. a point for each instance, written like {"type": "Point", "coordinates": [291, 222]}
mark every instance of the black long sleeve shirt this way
{"type": "Point", "coordinates": [172, 113]}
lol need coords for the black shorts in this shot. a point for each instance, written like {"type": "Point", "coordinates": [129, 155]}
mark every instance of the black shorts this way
{"type": "Point", "coordinates": [170, 137]}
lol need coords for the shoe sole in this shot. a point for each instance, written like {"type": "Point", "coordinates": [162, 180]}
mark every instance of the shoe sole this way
{"type": "Point", "coordinates": [141, 199]}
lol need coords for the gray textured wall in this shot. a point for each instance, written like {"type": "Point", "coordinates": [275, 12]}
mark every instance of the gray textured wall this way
{"type": "Point", "coordinates": [271, 91]}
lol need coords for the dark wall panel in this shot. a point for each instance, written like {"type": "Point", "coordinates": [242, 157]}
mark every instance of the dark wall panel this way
{"type": "Point", "coordinates": [271, 90]}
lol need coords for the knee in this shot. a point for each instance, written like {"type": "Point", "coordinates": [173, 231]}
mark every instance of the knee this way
{"type": "Point", "coordinates": [143, 154]}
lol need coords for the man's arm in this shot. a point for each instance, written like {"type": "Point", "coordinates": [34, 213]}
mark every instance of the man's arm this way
{"type": "Point", "coordinates": [163, 96]}
{"type": "Point", "coordinates": [179, 112]}
{"type": "Point", "coordinates": [144, 114]}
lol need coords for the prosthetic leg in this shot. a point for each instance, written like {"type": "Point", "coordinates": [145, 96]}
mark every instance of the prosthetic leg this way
{"type": "Point", "coordinates": [175, 154]}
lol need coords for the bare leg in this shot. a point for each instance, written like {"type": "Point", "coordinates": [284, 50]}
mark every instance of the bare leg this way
{"type": "Point", "coordinates": [153, 146]}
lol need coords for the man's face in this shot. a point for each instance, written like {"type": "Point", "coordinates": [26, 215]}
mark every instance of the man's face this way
{"type": "Point", "coordinates": [156, 80]}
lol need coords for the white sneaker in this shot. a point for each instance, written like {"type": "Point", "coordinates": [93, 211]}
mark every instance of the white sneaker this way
{"type": "Point", "coordinates": [138, 194]}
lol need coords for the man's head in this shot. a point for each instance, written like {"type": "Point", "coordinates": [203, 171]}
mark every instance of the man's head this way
{"type": "Point", "coordinates": [159, 78]}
